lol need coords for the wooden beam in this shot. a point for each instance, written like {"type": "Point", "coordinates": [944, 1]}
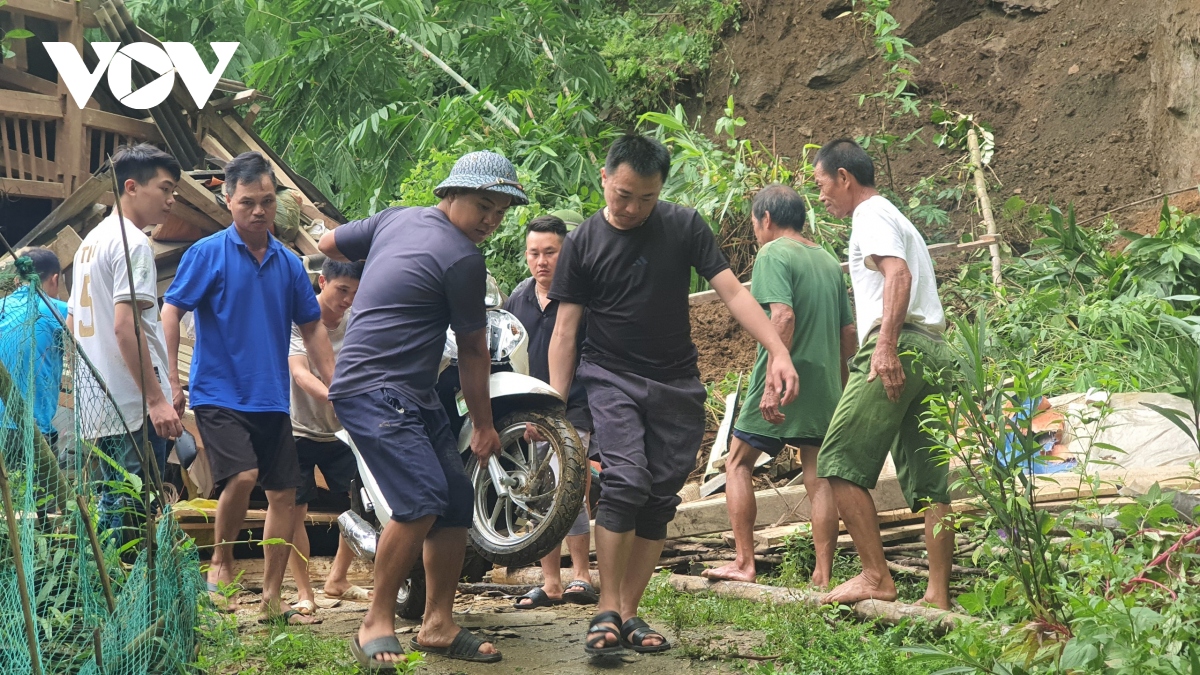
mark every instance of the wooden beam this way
{"type": "Point", "coordinates": [11, 77]}
{"type": "Point", "coordinates": [218, 131]}
{"type": "Point", "coordinates": [935, 250]}
{"type": "Point", "coordinates": [41, 189]}
{"type": "Point", "coordinates": [65, 245]}
{"type": "Point", "coordinates": [53, 10]}
{"type": "Point", "coordinates": [240, 98]}
{"type": "Point", "coordinates": [197, 218]}
{"type": "Point", "coordinates": [199, 197]}
{"type": "Point", "coordinates": [70, 139]}
{"type": "Point", "coordinates": [120, 124]}
{"type": "Point", "coordinates": [31, 106]}
{"type": "Point", "coordinates": [360, 573]}
{"type": "Point", "coordinates": [83, 198]}
{"type": "Point", "coordinates": [168, 253]}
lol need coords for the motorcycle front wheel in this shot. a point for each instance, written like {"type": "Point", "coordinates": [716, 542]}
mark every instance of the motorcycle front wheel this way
{"type": "Point", "coordinates": [545, 480]}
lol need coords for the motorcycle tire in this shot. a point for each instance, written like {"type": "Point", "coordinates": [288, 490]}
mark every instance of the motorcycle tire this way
{"type": "Point", "coordinates": [548, 534]}
{"type": "Point", "coordinates": [410, 601]}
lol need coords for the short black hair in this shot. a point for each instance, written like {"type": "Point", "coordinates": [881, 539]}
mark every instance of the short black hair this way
{"type": "Point", "coordinates": [844, 153]}
{"type": "Point", "coordinates": [45, 261]}
{"type": "Point", "coordinates": [248, 167]}
{"type": "Point", "coordinates": [334, 269]}
{"type": "Point", "coordinates": [786, 206]}
{"type": "Point", "coordinates": [141, 162]}
{"type": "Point", "coordinates": [645, 155]}
{"type": "Point", "coordinates": [552, 224]}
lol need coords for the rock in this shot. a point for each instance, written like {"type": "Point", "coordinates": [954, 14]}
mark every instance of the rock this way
{"type": "Point", "coordinates": [763, 90]}
{"type": "Point", "coordinates": [994, 47]}
{"type": "Point", "coordinates": [836, 68]}
{"type": "Point", "coordinates": [836, 8]}
{"type": "Point", "coordinates": [922, 21]}
{"type": "Point", "coordinates": [1073, 69]}
{"type": "Point", "coordinates": [1026, 6]}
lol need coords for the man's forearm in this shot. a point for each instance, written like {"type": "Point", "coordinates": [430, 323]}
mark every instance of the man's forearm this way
{"type": "Point", "coordinates": [320, 350]}
{"type": "Point", "coordinates": [783, 319]}
{"type": "Point", "coordinates": [308, 383]}
{"type": "Point", "coordinates": [561, 358]}
{"type": "Point", "coordinates": [474, 369]}
{"type": "Point", "coordinates": [136, 355]}
{"type": "Point", "coordinates": [749, 314]}
{"type": "Point", "coordinates": [896, 288]}
{"type": "Point", "coordinates": [171, 316]}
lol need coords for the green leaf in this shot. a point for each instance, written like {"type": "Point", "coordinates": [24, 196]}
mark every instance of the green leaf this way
{"type": "Point", "coordinates": [1078, 655]}
{"type": "Point", "coordinates": [18, 34]}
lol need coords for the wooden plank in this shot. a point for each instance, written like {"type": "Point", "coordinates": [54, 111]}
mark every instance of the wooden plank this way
{"type": "Point", "coordinates": [88, 194]}
{"type": "Point", "coordinates": [254, 517]}
{"type": "Point", "coordinates": [168, 253]}
{"type": "Point", "coordinates": [31, 106]}
{"type": "Point", "coordinates": [240, 98]}
{"type": "Point", "coordinates": [22, 81]}
{"type": "Point", "coordinates": [21, 58]}
{"type": "Point", "coordinates": [935, 250]}
{"type": "Point", "coordinates": [215, 128]}
{"type": "Point", "coordinates": [42, 189]}
{"type": "Point", "coordinates": [214, 148]}
{"type": "Point", "coordinates": [65, 245]}
{"type": "Point", "coordinates": [360, 573]}
{"type": "Point", "coordinates": [70, 132]}
{"type": "Point", "coordinates": [197, 219]}
{"type": "Point", "coordinates": [200, 198]}
{"type": "Point", "coordinates": [53, 10]}
{"type": "Point", "coordinates": [120, 124]}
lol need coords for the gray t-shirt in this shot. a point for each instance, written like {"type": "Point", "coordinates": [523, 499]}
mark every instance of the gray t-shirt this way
{"type": "Point", "coordinates": [422, 275]}
{"type": "Point", "coordinates": [311, 418]}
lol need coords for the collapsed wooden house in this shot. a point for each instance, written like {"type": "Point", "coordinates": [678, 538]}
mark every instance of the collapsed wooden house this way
{"type": "Point", "coordinates": [55, 183]}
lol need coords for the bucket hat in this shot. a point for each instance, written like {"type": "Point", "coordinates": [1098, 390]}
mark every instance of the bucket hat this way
{"type": "Point", "coordinates": [484, 170]}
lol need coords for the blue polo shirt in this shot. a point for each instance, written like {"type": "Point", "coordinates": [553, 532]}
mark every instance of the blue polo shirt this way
{"type": "Point", "coordinates": [39, 346]}
{"type": "Point", "coordinates": [244, 313]}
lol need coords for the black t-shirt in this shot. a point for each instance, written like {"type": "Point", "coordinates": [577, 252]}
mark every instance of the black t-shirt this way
{"type": "Point", "coordinates": [422, 275]}
{"type": "Point", "coordinates": [539, 323]}
{"type": "Point", "coordinates": [634, 284]}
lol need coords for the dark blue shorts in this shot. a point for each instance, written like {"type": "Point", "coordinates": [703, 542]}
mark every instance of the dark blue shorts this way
{"type": "Point", "coordinates": [772, 445]}
{"type": "Point", "coordinates": [412, 455]}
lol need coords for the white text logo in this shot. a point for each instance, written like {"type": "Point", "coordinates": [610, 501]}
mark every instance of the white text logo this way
{"type": "Point", "coordinates": [172, 58]}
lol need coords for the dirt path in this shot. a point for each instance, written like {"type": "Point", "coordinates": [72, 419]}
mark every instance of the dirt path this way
{"type": "Point", "coordinates": [553, 645]}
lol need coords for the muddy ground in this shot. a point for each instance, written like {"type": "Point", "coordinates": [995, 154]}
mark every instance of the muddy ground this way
{"type": "Point", "coordinates": [552, 645]}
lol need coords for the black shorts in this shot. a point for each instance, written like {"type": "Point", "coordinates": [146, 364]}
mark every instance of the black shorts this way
{"type": "Point", "coordinates": [336, 462]}
{"type": "Point", "coordinates": [771, 445]}
{"type": "Point", "coordinates": [240, 441]}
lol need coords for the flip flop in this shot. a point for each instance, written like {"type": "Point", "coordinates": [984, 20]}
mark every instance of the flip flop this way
{"type": "Point", "coordinates": [223, 603]}
{"type": "Point", "coordinates": [598, 629]}
{"type": "Point", "coordinates": [539, 599]}
{"type": "Point", "coordinates": [305, 607]}
{"type": "Point", "coordinates": [635, 631]}
{"type": "Point", "coordinates": [365, 654]}
{"type": "Point", "coordinates": [586, 595]}
{"type": "Point", "coordinates": [355, 593]}
{"type": "Point", "coordinates": [464, 648]}
{"type": "Point", "coordinates": [285, 619]}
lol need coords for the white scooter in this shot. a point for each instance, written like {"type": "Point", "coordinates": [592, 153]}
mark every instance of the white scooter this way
{"type": "Point", "coordinates": [526, 497]}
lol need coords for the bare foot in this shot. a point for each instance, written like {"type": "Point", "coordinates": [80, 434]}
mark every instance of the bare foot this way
{"type": "Point", "coordinates": [344, 590]}
{"type": "Point", "coordinates": [268, 614]}
{"type": "Point", "coordinates": [731, 572]}
{"type": "Point", "coordinates": [224, 597]}
{"type": "Point", "coordinates": [932, 600]}
{"type": "Point", "coordinates": [366, 634]}
{"type": "Point", "coordinates": [820, 582]}
{"type": "Point", "coordinates": [861, 588]}
{"type": "Point", "coordinates": [443, 636]}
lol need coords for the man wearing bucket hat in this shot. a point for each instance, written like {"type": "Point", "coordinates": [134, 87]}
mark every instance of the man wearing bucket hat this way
{"type": "Point", "coordinates": [422, 274]}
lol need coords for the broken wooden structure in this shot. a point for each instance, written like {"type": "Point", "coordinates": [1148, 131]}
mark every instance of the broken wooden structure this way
{"type": "Point", "coordinates": [56, 183]}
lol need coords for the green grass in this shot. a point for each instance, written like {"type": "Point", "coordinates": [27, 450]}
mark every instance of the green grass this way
{"type": "Point", "coordinates": [809, 640]}
{"type": "Point", "coordinates": [278, 651]}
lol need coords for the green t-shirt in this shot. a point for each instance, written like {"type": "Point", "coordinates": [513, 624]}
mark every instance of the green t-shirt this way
{"type": "Point", "coordinates": [809, 280]}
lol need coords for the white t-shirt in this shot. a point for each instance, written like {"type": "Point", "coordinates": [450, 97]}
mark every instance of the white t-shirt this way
{"type": "Point", "coordinates": [99, 282]}
{"type": "Point", "coordinates": [880, 229]}
{"type": "Point", "coordinates": [313, 419]}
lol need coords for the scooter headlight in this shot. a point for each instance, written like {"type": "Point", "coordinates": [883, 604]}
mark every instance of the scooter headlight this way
{"type": "Point", "coordinates": [505, 334]}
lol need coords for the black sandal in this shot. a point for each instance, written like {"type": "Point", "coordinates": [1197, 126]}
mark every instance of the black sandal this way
{"type": "Point", "coordinates": [464, 648]}
{"type": "Point", "coordinates": [539, 599]}
{"type": "Point", "coordinates": [365, 654]}
{"type": "Point", "coordinates": [635, 631]}
{"type": "Point", "coordinates": [598, 646]}
{"type": "Point", "coordinates": [585, 593]}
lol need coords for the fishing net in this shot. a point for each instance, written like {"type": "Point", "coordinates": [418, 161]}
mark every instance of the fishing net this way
{"type": "Point", "coordinates": [83, 588]}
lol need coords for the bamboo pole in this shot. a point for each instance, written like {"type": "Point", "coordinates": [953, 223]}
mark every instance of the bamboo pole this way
{"type": "Point", "coordinates": [14, 542]}
{"type": "Point", "coordinates": [985, 203]}
{"type": "Point", "coordinates": [442, 64]}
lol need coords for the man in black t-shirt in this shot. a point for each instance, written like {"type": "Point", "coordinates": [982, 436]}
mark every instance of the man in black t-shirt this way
{"type": "Point", "coordinates": [631, 266]}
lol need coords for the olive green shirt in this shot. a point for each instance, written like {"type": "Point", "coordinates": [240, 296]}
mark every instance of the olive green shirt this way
{"type": "Point", "coordinates": [809, 280]}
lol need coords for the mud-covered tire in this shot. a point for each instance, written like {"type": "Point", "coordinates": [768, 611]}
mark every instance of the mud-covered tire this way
{"type": "Point", "coordinates": [410, 602]}
{"type": "Point", "coordinates": [492, 539]}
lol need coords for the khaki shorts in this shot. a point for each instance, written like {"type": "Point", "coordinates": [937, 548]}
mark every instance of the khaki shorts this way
{"type": "Point", "coordinates": [866, 425]}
